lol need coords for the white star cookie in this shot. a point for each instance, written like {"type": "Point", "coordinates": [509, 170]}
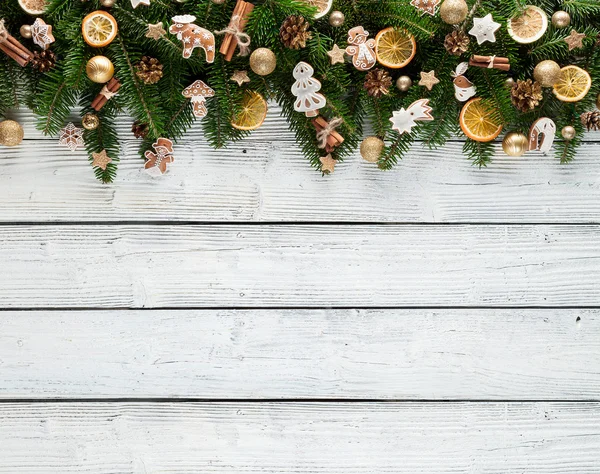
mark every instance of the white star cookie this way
{"type": "Point", "coordinates": [484, 29]}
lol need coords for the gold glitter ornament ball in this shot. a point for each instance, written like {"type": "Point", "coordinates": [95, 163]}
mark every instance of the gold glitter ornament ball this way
{"type": "Point", "coordinates": [100, 69]}
{"type": "Point", "coordinates": [515, 144]}
{"type": "Point", "coordinates": [25, 31]}
{"type": "Point", "coordinates": [547, 73]}
{"type": "Point", "coordinates": [561, 19]}
{"type": "Point", "coordinates": [263, 61]}
{"type": "Point", "coordinates": [337, 18]}
{"type": "Point", "coordinates": [454, 12]}
{"type": "Point", "coordinates": [568, 133]}
{"type": "Point", "coordinates": [107, 3]}
{"type": "Point", "coordinates": [90, 121]}
{"type": "Point", "coordinates": [403, 83]}
{"type": "Point", "coordinates": [11, 133]}
{"type": "Point", "coordinates": [371, 149]}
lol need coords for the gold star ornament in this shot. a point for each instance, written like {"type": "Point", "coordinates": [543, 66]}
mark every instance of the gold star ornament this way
{"type": "Point", "coordinates": [101, 160]}
{"type": "Point", "coordinates": [155, 31]}
{"type": "Point", "coordinates": [336, 55]}
{"type": "Point", "coordinates": [575, 40]}
{"type": "Point", "coordinates": [240, 77]}
{"type": "Point", "coordinates": [327, 164]}
{"type": "Point", "coordinates": [428, 79]}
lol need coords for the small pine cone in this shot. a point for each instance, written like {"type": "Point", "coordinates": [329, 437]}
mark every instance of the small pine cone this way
{"type": "Point", "coordinates": [591, 120]}
{"type": "Point", "coordinates": [378, 82]}
{"type": "Point", "coordinates": [526, 95]}
{"type": "Point", "coordinates": [43, 61]}
{"type": "Point", "coordinates": [140, 130]}
{"type": "Point", "coordinates": [149, 70]}
{"type": "Point", "coordinates": [457, 42]}
{"type": "Point", "coordinates": [294, 32]}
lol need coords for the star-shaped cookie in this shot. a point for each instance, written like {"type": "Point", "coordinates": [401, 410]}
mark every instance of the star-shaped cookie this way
{"type": "Point", "coordinates": [240, 77]}
{"type": "Point", "coordinates": [41, 33]}
{"type": "Point", "coordinates": [575, 40]}
{"type": "Point", "coordinates": [327, 164]}
{"type": "Point", "coordinates": [155, 31]}
{"type": "Point", "coordinates": [101, 160]}
{"type": "Point", "coordinates": [336, 55]}
{"type": "Point", "coordinates": [428, 79]}
{"type": "Point", "coordinates": [484, 29]}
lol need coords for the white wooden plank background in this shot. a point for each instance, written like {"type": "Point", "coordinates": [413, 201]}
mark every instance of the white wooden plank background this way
{"type": "Point", "coordinates": [265, 178]}
{"type": "Point", "coordinates": [279, 354]}
{"type": "Point", "coordinates": [324, 438]}
{"type": "Point", "coordinates": [481, 353]}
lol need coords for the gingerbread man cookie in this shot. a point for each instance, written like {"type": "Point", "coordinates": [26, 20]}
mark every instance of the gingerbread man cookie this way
{"type": "Point", "coordinates": [361, 48]}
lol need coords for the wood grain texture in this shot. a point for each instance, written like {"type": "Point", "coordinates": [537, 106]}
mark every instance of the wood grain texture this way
{"type": "Point", "coordinates": [266, 178]}
{"type": "Point", "coordinates": [276, 354]}
{"type": "Point", "coordinates": [326, 438]}
{"type": "Point", "coordinates": [298, 265]}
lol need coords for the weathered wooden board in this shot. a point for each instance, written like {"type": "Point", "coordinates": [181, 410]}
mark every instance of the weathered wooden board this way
{"type": "Point", "coordinates": [265, 178]}
{"type": "Point", "coordinates": [327, 438]}
{"type": "Point", "coordinates": [275, 354]}
{"type": "Point", "coordinates": [298, 266]}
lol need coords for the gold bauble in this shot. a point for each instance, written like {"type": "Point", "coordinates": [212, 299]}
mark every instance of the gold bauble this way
{"type": "Point", "coordinates": [561, 19]}
{"type": "Point", "coordinates": [25, 31]}
{"type": "Point", "coordinates": [336, 18]}
{"type": "Point", "coordinates": [100, 69]}
{"type": "Point", "coordinates": [547, 73]}
{"type": "Point", "coordinates": [454, 12]}
{"type": "Point", "coordinates": [263, 61]}
{"type": "Point", "coordinates": [403, 83]}
{"type": "Point", "coordinates": [107, 3]}
{"type": "Point", "coordinates": [371, 149]}
{"type": "Point", "coordinates": [598, 101]}
{"type": "Point", "coordinates": [90, 121]}
{"type": "Point", "coordinates": [568, 133]}
{"type": "Point", "coordinates": [509, 83]}
{"type": "Point", "coordinates": [11, 133]}
{"type": "Point", "coordinates": [515, 144]}
{"type": "Point", "coordinates": [218, 2]}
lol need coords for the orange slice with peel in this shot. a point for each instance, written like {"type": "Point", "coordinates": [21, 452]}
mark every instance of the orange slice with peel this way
{"type": "Point", "coordinates": [573, 85]}
{"type": "Point", "coordinates": [395, 47]}
{"type": "Point", "coordinates": [99, 28]}
{"type": "Point", "coordinates": [478, 121]}
{"type": "Point", "coordinates": [252, 113]}
{"type": "Point", "coordinates": [529, 26]}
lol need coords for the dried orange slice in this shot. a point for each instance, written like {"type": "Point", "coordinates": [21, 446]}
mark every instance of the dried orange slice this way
{"type": "Point", "coordinates": [99, 28]}
{"type": "Point", "coordinates": [478, 121]}
{"type": "Point", "coordinates": [34, 7]}
{"type": "Point", "coordinates": [323, 6]}
{"type": "Point", "coordinates": [529, 26]}
{"type": "Point", "coordinates": [395, 47]}
{"type": "Point", "coordinates": [252, 113]}
{"type": "Point", "coordinates": [573, 85]}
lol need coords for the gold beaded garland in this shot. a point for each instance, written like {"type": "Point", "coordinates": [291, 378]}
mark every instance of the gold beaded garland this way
{"type": "Point", "coordinates": [515, 144]}
{"type": "Point", "coordinates": [11, 133]}
{"type": "Point", "coordinates": [100, 69]}
{"type": "Point", "coordinates": [263, 61]}
{"type": "Point", "coordinates": [561, 19]}
{"type": "Point", "coordinates": [568, 133]}
{"type": "Point", "coordinates": [403, 83]}
{"type": "Point", "coordinates": [371, 149]}
{"type": "Point", "coordinates": [90, 121]}
{"type": "Point", "coordinates": [547, 73]}
{"type": "Point", "coordinates": [454, 12]}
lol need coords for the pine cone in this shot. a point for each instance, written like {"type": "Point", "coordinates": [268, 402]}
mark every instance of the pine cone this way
{"type": "Point", "coordinates": [526, 95]}
{"type": "Point", "coordinates": [43, 61]}
{"type": "Point", "coordinates": [591, 120]}
{"type": "Point", "coordinates": [378, 82]}
{"type": "Point", "coordinates": [149, 70]}
{"type": "Point", "coordinates": [139, 129]}
{"type": "Point", "coordinates": [294, 32]}
{"type": "Point", "coordinates": [457, 42]}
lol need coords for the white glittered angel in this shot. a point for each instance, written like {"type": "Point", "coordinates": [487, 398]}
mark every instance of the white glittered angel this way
{"type": "Point", "coordinates": [306, 89]}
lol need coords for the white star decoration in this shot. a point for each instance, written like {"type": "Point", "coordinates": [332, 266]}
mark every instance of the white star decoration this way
{"type": "Point", "coordinates": [404, 120]}
{"type": "Point", "coordinates": [41, 33]}
{"type": "Point", "coordinates": [135, 3]}
{"type": "Point", "coordinates": [484, 29]}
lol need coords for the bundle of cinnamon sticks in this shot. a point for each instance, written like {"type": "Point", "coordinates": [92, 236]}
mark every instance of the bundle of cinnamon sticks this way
{"type": "Point", "coordinates": [490, 62]}
{"type": "Point", "coordinates": [12, 48]}
{"type": "Point", "coordinates": [334, 139]}
{"type": "Point", "coordinates": [239, 20]}
{"type": "Point", "coordinates": [109, 90]}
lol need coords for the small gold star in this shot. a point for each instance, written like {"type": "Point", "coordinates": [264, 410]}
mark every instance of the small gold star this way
{"type": "Point", "coordinates": [327, 164]}
{"type": "Point", "coordinates": [240, 77]}
{"type": "Point", "coordinates": [337, 55]}
{"type": "Point", "coordinates": [101, 160]}
{"type": "Point", "coordinates": [575, 40]}
{"type": "Point", "coordinates": [428, 79]}
{"type": "Point", "coordinates": [156, 31]}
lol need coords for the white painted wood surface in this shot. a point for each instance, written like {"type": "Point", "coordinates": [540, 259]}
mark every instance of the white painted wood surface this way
{"type": "Point", "coordinates": [231, 266]}
{"type": "Point", "coordinates": [265, 178]}
{"type": "Point", "coordinates": [279, 354]}
{"type": "Point", "coordinates": [482, 357]}
{"type": "Point", "coordinates": [316, 438]}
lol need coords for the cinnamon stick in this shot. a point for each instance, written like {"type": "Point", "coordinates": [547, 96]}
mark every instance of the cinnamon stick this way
{"type": "Point", "coordinates": [15, 50]}
{"type": "Point", "coordinates": [100, 101]}
{"type": "Point", "coordinates": [487, 59]}
{"type": "Point", "coordinates": [237, 11]}
{"type": "Point", "coordinates": [500, 67]}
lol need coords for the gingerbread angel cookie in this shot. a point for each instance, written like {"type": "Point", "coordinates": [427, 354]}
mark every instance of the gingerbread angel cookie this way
{"type": "Point", "coordinates": [361, 48]}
